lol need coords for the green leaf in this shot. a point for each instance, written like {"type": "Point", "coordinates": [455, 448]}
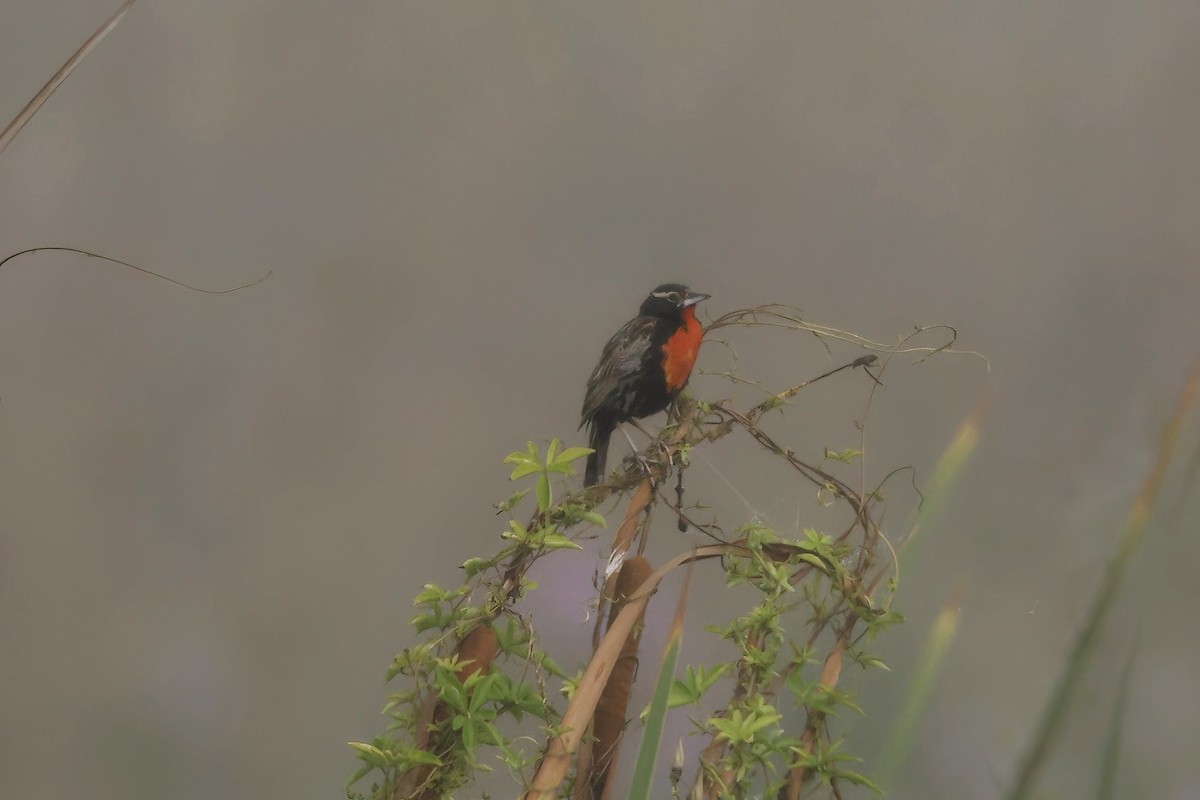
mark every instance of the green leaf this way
{"type": "Point", "coordinates": [481, 691]}
{"type": "Point", "coordinates": [516, 531]}
{"type": "Point", "coordinates": [799, 686]}
{"type": "Point", "coordinates": [523, 470]}
{"type": "Point", "coordinates": [410, 660]}
{"type": "Point", "coordinates": [845, 456]}
{"type": "Point", "coordinates": [371, 754]}
{"type": "Point", "coordinates": [681, 694]}
{"type": "Point", "coordinates": [450, 687]}
{"type": "Point", "coordinates": [556, 541]}
{"type": "Point", "coordinates": [760, 719]}
{"type": "Point", "coordinates": [490, 734]}
{"type": "Point", "coordinates": [596, 519]}
{"type": "Point", "coordinates": [474, 566]}
{"type": "Point", "coordinates": [523, 457]}
{"type": "Point", "coordinates": [359, 774]}
{"type": "Point", "coordinates": [816, 561]}
{"type": "Point", "coordinates": [543, 493]}
{"type": "Point", "coordinates": [468, 734]}
{"type": "Point", "coordinates": [553, 668]}
{"type": "Point", "coordinates": [432, 593]}
{"type": "Point", "coordinates": [424, 622]}
{"type": "Point", "coordinates": [817, 538]}
{"type": "Point", "coordinates": [693, 686]}
{"type": "Point", "coordinates": [728, 728]}
{"type": "Point", "coordinates": [415, 755]}
{"type": "Point", "coordinates": [563, 462]}
{"type": "Point", "coordinates": [858, 779]}
{"type": "Point", "coordinates": [511, 502]}
{"type": "Point", "coordinates": [874, 661]}
{"type": "Point", "coordinates": [512, 638]}
{"type": "Point", "coordinates": [706, 678]}
{"type": "Point", "coordinates": [573, 454]}
{"type": "Point", "coordinates": [526, 462]}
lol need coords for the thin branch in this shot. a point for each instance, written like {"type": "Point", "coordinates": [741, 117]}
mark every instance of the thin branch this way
{"type": "Point", "coordinates": [135, 267]}
{"type": "Point", "coordinates": [31, 108]}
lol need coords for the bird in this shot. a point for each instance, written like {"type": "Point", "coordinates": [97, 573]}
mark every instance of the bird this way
{"type": "Point", "coordinates": [644, 367]}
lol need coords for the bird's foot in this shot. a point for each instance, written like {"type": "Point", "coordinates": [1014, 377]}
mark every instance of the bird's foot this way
{"type": "Point", "coordinates": [653, 457]}
{"type": "Point", "coordinates": [645, 463]}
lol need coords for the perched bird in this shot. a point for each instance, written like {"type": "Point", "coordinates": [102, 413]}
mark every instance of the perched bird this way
{"type": "Point", "coordinates": [643, 367]}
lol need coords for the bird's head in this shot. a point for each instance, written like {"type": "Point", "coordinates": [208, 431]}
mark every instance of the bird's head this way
{"type": "Point", "coordinates": [671, 299]}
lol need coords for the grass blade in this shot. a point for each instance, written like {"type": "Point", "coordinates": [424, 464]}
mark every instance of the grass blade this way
{"type": "Point", "coordinates": [937, 646]}
{"type": "Point", "coordinates": [42, 96]}
{"type": "Point", "coordinates": [1102, 603]}
{"type": "Point", "coordinates": [643, 771]}
{"type": "Point", "coordinates": [946, 474]}
{"type": "Point", "coordinates": [1112, 745]}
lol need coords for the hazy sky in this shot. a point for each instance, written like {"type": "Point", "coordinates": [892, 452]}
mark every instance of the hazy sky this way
{"type": "Point", "coordinates": [214, 511]}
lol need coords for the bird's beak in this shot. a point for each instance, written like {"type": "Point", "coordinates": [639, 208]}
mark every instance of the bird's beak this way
{"type": "Point", "coordinates": [695, 297]}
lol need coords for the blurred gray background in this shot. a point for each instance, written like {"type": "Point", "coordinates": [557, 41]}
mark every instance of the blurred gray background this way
{"type": "Point", "coordinates": [214, 511]}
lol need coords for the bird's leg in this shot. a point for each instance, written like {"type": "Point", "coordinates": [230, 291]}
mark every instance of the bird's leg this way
{"type": "Point", "coordinates": [645, 432]}
{"type": "Point", "coordinates": [654, 440]}
{"type": "Point", "coordinates": [664, 447]}
{"type": "Point", "coordinates": [637, 454]}
{"type": "Point", "coordinates": [625, 433]}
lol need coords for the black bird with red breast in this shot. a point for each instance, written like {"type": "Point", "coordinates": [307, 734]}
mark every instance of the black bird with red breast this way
{"type": "Point", "coordinates": [644, 366]}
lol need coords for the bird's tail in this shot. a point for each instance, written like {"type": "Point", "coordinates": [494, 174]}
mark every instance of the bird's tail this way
{"type": "Point", "coordinates": [599, 443]}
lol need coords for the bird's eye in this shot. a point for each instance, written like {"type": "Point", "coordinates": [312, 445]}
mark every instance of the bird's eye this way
{"type": "Point", "coordinates": [674, 297]}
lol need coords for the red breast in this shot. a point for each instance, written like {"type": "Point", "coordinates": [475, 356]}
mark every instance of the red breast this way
{"type": "Point", "coordinates": [680, 351]}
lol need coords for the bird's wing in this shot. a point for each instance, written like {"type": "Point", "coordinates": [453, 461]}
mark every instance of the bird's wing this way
{"type": "Point", "coordinates": [620, 363]}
